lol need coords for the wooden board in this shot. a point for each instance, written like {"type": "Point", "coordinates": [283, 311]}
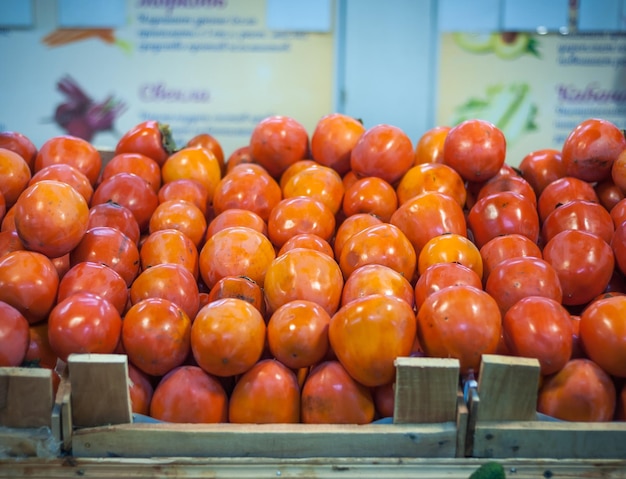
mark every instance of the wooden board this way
{"type": "Point", "coordinates": [99, 389]}
{"type": "Point", "coordinates": [426, 390]}
{"type": "Point", "coordinates": [25, 397]}
{"type": "Point", "coordinates": [319, 468]}
{"type": "Point", "coordinates": [550, 439]}
{"type": "Point", "coordinates": [259, 440]}
{"type": "Point", "coordinates": [507, 388]}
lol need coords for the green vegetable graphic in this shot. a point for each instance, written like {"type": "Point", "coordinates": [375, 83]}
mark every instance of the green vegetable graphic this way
{"type": "Point", "coordinates": [509, 107]}
{"type": "Point", "coordinates": [505, 45]}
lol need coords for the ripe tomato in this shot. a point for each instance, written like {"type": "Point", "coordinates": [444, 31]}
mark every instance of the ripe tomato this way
{"type": "Point", "coordinates": [519, 277]}
{"type": "Point", "coordinates": [186, 189]}
{"type": "Point", "coordinates": [603, 334]}
{"type": "Point", "coordinates": [506, 246]}
{"type": "Point", "coordinates": [189, 395]}
{"type": "Point", "coordinates": [541, 328]}
{"type": "Point", "coordinates": [384, 151]}
{"type": "Point", "coordinates": [441, 275]}
{"type": "Point", "coordinates": [96, 278]}
{"type": "Point", "coordinates": [307, 240]}
{"type": "Point", "coordinates": [305, 274]}
{"type": "Point", "coordinates": [579, 215]}
{"type": "Point", "coordinates": [428, 215]}
{"type": "Point", "coordinates": [369, 333]}
{"type": "Point", "coordinates": [14, 176]}
{"type": "Point", "coordinates": [136, 163]}
{"type": "Point", "coordinates": [268, 393]}
{"type": "Point", "coordinates": [20, 144]}
{"type": "Point", "coordinates": [84, 323]}
{"type": "Point", "coordinates": [14, 336]}
{"type": "Point", "coordinates": [211, 143]}
{"type": "Point", "coordinates": [66, 174]}
{"type": "Point", "coordinates": [321, 182]}
{"type": "Point", "coordinates": [591, 148]}
{"type": "Point", "coordinates": [503, 213]}
{"type": "Point", "coordinates": [51, 218]}
{"type": "Point", "coordinates": [351, 225]}
{"type": "Point", "coordinates": [240, 287]}
{"type": "Point", "coordinates": [297, 333]}
{"type": "Point", "coordinates": [542, 167]}
{"type": "Point", "coordinates": [234, 251]}
{"type": "Point", "coordinates": [228, 337]}
{"type": "Point", "coordinates": [169, 281]}
{"type": "Point", "coordinates": [426, 177]}
{"type": "Point", "coordinates": [297, 215]}
{"type": "Point", "coordinates": [459, 322]}
{"type": "Point", "coordinates": [143, 338]}
{"type": "Point", "coordinates": [371, 195]}
{"type": "Point", "coordinates": [331, 396]}
{"type": "Point", "coordinates": [149, 138]}
{"type": "Point", "coordinates": [131, 191]}
{"type": "Point", "coordinates": [247, 187]}
{"type": "Point", "coordinates": [584, 263]}
{"type": "Point", "coordinates": [278, 141]}
{"type": "Point", "coordinates": [384, 244]}
{"type": "Point", "coordinates": [73, 151]}
{"type": "Point", "coordinates": [193, 162]}
{"type": "Point", "coordinates": [140, 389]}
{"type": "Point", "coordinates": [476, 149]}
{"type": "Point", "coordinates": [29, 282]}
{"type": "Point", "coordinates": [450, 248]}
{"type": "Point", "coordinates": [562, 191]}
{"type": "Point", "coordinates": [108, 245]}
{"type": "Point", "coordinates": [179, 215]}
{"type": "Point", "coordinates": [169, 246]}
{"type": "Point", "coordinates": [429, 146]}
{"type": "Point", "coordinates": [377, 279]}
{"type": "Point", "coordinates": [333, 140]}
{"type": "Point", "coordinates": [580, 392]}
{"type": "Point", "coordinates": [116, 216]}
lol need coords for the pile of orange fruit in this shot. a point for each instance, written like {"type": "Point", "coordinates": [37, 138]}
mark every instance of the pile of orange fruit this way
{"type": "Point", "coordinates": [280, 283]}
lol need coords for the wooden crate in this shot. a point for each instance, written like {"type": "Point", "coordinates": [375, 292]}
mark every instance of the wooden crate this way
{"type": "Point", "coordinates": [430, 420]}
{"type": "Point", "coordinates": [503, 421]}
{"type": "Point", "coordinates": [29, 414]}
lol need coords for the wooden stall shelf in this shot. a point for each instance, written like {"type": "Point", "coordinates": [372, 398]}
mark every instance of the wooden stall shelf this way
{"type": "Point", "coordinates": [26, 404]}
{"type": "Point", "coordinates": [503, 421]}
{"type": "Point", "coordinates": [428, 423]}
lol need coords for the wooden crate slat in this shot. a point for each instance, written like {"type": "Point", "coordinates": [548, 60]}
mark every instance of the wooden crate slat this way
{"type": "Point", "coordinates": [259, 440]}
{"type": "Point", "coordinates": [550, 439]}
{"type": "Point", "coordinates": [426, 390]}
{"type": "Point", "coordinates": [508, 388]}
{"type": "Point", "coordinates": [99, 389]}
{"type": "Point", "coordinates": [26, 397]}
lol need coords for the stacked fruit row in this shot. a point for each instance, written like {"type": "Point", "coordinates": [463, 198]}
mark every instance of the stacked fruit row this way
{"type": "Point", "coordinates": [279, 284]}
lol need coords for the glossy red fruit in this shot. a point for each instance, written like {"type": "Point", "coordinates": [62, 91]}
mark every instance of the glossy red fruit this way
{"type": "Point", "coordinates": [591, 149]}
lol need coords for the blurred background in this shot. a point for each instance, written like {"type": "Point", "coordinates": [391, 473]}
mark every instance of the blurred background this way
{"type": "Point", "coordinates": [96, 68]}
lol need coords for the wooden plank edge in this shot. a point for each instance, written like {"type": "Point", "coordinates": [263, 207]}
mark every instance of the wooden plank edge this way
{"type": "Point", "coordinates": [258, 440]}
{"type": "Point", "coordinates": [28, 443]}
{"type": "Point", "coordinates": [320, 468]}
{"type": "Point", "coordinates": [549, 439]}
